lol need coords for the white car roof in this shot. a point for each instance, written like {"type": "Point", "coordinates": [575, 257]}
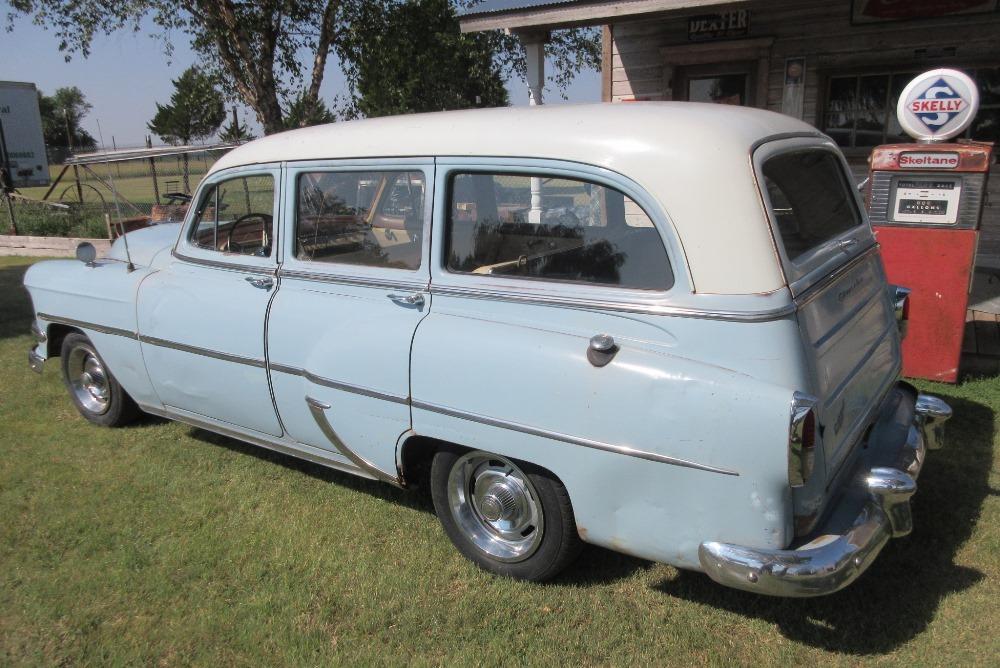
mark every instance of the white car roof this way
{"type": "Point", "coordinates": [694, 158]}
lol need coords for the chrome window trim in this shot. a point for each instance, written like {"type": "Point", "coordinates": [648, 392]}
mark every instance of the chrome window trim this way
{"type": "Point", "coordinates": [814, 290]}
{"type": "Point", "coordinates": [358, 281]}
{"type": "Point", "coordinates": [221, 264]}
{"type": "Point", "coordinates": [204, 352]}
{"type": "Point", "coordinates": [103, 329]}
{"type": "Point", "coordinates": [572, 440]}
{"type": "Point", "coordinates": [337, 385]}
{"type": "Point", "coordinates": [648, 308]}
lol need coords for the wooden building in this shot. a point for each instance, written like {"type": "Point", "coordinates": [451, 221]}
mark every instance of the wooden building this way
{"type": "Point", "coordinates": [837, 64]}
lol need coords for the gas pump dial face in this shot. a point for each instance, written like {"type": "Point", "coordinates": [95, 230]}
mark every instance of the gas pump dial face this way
{"type": "Point", "coordinates": [938, 105]}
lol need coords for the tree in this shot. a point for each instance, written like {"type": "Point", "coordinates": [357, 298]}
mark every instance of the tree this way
{"type": "Point", "coordinates": [405, 57]}
{"type": "Point", "coordinates": [195, 112]}
{"type": "Point", "coordinates": [62, 114]}
{"type": "Point", "coordinates": [256, 48]}
{"type": "Point", "coordinates": [303, 113]}
{"type": "Point", "coordinates": [235, 132]}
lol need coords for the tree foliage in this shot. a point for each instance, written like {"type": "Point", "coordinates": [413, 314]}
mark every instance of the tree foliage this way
{"type": "Point", "coordinates": [62, 112]}
{"type": "Point", "coordinates": [272, 54]}
{"type": "Point", "coordinates": [409, 56]}
{"type": "Point", "coordinates": [303, 113]}
{"type": "Point", "coordinates": [235, 132]}
{"type": "Point", "coordinates": [195, 111]}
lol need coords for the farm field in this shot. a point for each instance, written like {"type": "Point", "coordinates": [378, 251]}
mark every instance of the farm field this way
{"type": "Point", "coordinates": [163, 544]}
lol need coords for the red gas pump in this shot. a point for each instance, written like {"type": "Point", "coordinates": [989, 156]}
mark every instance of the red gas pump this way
{"type": "Point", "coordinates": [925, 202]}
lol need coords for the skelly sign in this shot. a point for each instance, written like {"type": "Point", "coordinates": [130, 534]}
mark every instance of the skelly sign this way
{"type": "Point", "coordinates": [938, 105]}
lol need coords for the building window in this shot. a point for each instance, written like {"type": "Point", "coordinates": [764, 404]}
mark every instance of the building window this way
{"type": "Point", "coordinates": [861, 109]}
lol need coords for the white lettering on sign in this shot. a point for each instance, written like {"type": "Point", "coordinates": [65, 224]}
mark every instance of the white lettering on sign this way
{"type": "Point", "coordinates": [929, 160]}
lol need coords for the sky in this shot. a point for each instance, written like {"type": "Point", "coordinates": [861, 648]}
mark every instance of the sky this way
{"type": "Point", "coordinates": [127, 73]}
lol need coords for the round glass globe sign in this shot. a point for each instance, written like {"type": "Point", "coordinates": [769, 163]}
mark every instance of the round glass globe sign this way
{"type": "Point", "coordinates": [938, 105]}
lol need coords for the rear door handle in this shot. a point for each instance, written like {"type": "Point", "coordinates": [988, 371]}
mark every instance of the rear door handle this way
{"type": "Point", "coordinates": [413, 299]}
{"type": "Point", "coordinates": [264, 282]}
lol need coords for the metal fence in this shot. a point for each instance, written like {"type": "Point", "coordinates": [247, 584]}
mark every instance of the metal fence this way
{"type": "Point", "coordinates": [95, 195]}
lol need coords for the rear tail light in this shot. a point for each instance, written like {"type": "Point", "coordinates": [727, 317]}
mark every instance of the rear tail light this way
{"type": "Point", "coordinates": [901, 307]}
{"type": "Point", "coordinates": [801, 439]}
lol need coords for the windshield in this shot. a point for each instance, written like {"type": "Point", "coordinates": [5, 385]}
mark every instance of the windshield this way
{"type": "Point", "coordinates": [811, 200]}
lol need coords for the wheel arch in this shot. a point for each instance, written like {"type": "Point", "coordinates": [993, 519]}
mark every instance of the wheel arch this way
{"type": "Point", "coordinates": [55, 334]}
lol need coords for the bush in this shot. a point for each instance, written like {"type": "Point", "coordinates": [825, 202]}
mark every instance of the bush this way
{"type": "Point", "coordinates": [80, 220]}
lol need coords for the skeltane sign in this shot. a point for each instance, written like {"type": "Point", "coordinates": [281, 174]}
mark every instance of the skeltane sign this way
{"type": "Point", "coordinates": [938, 105]}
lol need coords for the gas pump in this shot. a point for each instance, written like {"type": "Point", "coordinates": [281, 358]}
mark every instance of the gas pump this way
{"type": "Point", "coordinates": [925, 201]}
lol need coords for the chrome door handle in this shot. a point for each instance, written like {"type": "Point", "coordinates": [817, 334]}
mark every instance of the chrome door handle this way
{"type": "Point", "coordinates": [414, 299]}
{"type": "Point", "coordinates": [847, 244]}
{"type": "Point", "coordinates": [264, 283]}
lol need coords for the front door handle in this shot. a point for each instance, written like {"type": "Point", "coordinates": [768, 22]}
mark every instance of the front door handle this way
{"type": "Point", "coordinates": [413, 299]}
{"type": "Point", "coordinates": [263, 282]}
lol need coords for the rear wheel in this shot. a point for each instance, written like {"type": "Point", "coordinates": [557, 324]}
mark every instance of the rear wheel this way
{"type": "Point", "coordinates": [93, 388]}
{"type": "Point", "coordinates": [508, 518]}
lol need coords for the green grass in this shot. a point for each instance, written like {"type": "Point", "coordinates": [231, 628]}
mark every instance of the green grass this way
{"type": "Point", "coordinates": [161, 544]}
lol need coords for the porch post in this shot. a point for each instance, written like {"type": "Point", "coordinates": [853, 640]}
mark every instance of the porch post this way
{"type": "Point", "coordinates": [534, 51]}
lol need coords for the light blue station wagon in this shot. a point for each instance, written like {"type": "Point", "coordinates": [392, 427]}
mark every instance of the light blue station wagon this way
{"type": "Point", "coordinates": [660, 328]}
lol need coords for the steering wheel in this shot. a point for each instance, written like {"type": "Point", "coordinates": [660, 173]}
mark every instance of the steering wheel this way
{"type": "Point", "coordinates": [265, 241]}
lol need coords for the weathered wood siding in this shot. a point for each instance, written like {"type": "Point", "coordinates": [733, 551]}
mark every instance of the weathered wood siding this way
{"type": "Point", "coordinates": [822, 33]}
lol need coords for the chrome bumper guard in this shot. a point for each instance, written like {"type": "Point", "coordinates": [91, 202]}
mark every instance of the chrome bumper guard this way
{"type": "Point", "coordinates": [35, 361]}
{"type": "Point", "coordinates": [830, 562]}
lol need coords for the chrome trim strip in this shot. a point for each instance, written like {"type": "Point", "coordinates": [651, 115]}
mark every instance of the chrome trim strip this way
{"type": "Point", "coordinates": [103, 329]}
{"type": "Point", "coordinates": [219, 264]}
{"type": "Point", "coordinates": [817, 288]}
{"type": "Point", "coordinates": [204, 352]}
{"type": "Point", "coordinates": [573, 440]}
{"type": "Point", "coordinates": [254, 440]}
{"type": "Point", "coordinates": [337, 385]}
{"type": "Point", "coordinates": [629, 307]}
{"type": "Point", "coordinates": [318, 410]}
{"type": "Point", "coordinates": [359, 281]}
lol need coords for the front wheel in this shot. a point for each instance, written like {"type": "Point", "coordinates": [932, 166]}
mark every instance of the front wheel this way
{"type": "Point", "coordinates": [94, 390]}
{"type": "Point", "coordinates": [509, 519]}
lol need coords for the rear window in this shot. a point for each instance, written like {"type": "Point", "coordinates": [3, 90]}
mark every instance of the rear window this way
{"type": "Point", "coordinates": [811, 199]}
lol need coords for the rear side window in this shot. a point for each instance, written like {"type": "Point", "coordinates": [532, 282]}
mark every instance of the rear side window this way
{"type": "Point", "coordinates": [553, 228]}
{"type": "Point", "coordinates": [811, 199]}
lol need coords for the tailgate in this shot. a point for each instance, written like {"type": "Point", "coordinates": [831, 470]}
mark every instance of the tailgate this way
{"type": "Point", "coordinates": [849, 332]}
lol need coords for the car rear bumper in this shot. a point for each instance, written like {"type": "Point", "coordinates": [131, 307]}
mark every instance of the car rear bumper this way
{"type": "Point", "coordinates": [878, 505]}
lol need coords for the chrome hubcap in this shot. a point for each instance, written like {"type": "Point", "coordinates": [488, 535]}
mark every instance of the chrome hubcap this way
{"type": "Point", "coordinates": [496, 506]}
{"type": "Point", "coordinates": [88, 380]}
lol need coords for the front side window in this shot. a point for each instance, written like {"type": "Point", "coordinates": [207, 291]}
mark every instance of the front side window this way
{"type": "Point", "coordinates": [811, 199]}
{"type": "Point", "coordinates": [554, 228]}
{"type": "Point", "coordinates": [373, 219]}
{"type": "Point", "coordinates": [237, 216]}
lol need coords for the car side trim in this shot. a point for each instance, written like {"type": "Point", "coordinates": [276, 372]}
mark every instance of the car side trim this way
{"type": "Point", "coordinates": [573, 440]}
{"type": "Point", "coordinates": [318, 410]}
{"type": "Point", "coordinates": [220, 264]}
{"type": "Point", "coordinates": [93, 326]}
{"type": "Point", "coordinates": [337, 385]}
{"type": "Point", "coordinates": [204, 352]}
{"type": "Point", "coordinates": [266, 443]}
{"type": "Point", "coordinates": [765, 315]}
{"type": "Point", "coordinates": [359, 281]}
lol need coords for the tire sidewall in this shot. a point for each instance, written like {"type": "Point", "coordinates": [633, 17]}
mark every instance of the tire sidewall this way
{"type": "Point", "coordinates": [117, 406]}
{"type": "Point", "coordinates": [559, 534]}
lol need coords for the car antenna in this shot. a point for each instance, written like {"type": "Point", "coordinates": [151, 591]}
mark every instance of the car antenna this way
{"type": "Point", "coordinates": [130, 267]}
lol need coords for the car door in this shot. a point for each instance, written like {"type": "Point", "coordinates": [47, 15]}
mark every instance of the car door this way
{"type": "Point", "coordinates": [201, 319]}
{"type": "Point", "coordinates": [353, 290]}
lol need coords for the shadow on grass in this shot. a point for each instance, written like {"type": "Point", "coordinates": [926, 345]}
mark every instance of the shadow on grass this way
{"type": "Point", "coordinates": [15, 306]}
{"type": "Point", "coordinates": [595, 565]}
{"type": "Point", "coordinates": [413, 499]}
{"type": "Point", "coordinates": [898, 596]}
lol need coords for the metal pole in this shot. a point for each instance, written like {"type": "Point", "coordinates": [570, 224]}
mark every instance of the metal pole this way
{"type": "Point", "coordinates": [534, 50]}
{"type": "Point", "coordinates": [152, 168]}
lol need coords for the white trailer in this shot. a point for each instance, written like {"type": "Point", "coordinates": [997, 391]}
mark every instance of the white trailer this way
{"type": "Point", "coordinates": [21, 142]}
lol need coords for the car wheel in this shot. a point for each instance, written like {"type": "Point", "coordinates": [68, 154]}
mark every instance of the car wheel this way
{"type": "Point", "coordinates": [510, 519]}
{"type": "Point", "coordinates": [91, 385]}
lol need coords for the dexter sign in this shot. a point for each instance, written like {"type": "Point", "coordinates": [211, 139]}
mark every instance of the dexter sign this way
{"type": "Point", "coordinates": [928, 160]}
{"type": "Point", "coordinates": [938, 105]}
